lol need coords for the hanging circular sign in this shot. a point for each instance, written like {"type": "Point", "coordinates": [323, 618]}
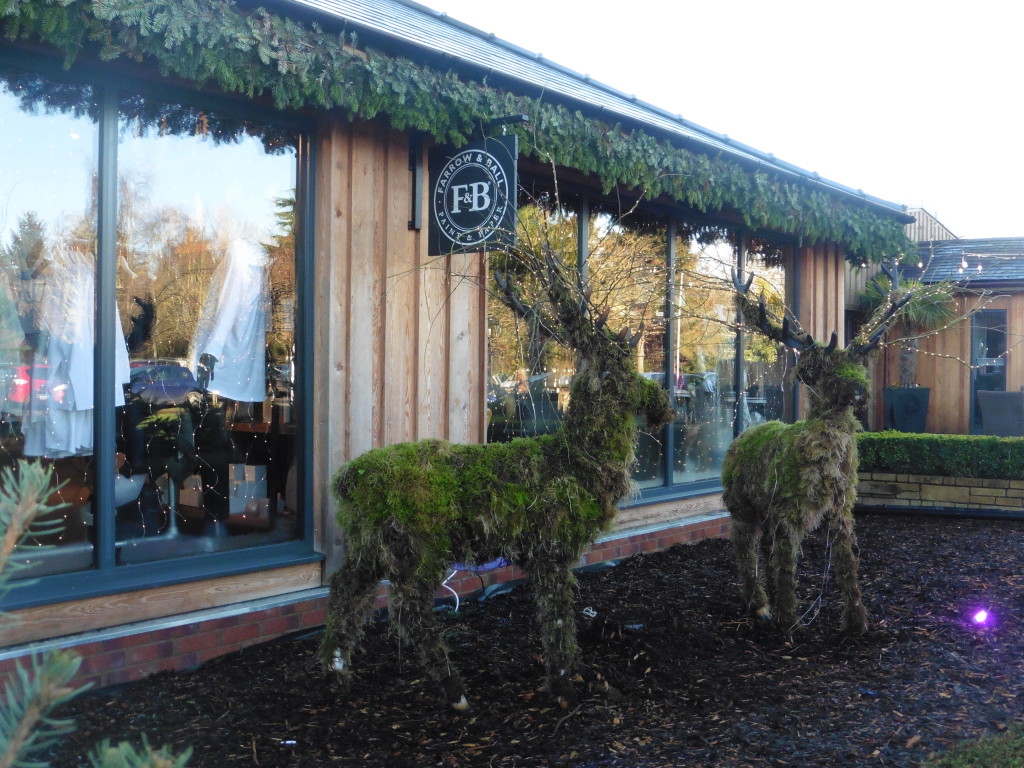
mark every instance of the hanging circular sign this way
{"type": "Point", "coordinates": [471, 197]}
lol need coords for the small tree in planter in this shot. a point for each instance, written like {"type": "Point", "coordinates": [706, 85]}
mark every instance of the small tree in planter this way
{"type": "Point", "coordinates": [930, 309]}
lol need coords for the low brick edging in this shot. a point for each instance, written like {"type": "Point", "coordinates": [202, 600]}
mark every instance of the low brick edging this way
{"type": "Point", "coordinates": [884, 489]}
{"type": "Point", "coordinates": [131, 652]}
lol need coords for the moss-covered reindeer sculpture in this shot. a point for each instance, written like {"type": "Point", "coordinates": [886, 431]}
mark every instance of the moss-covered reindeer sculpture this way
{"type": "Point", "coordinates": [410, 510]}
{"type": "Point", "coordinates": [782, 481]}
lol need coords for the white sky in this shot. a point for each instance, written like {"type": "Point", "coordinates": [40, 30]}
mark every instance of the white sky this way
{"type": "Point", "coordinates": [917, 102]}
{"type": "Point", "coordinates": [49, 159]}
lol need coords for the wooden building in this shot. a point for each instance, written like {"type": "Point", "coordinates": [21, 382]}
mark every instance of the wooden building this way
{"type": "Point", "coordinates": [926, 228]}
{"type": "Point", "coordinates": [982, 351]}
{"type": "Point", "coordinates": [220, 216]}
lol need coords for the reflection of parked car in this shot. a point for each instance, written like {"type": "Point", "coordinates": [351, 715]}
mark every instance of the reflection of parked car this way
{"type": "Point", "coordinates": [280, 381]}
{"type": "Point", "coordinates": [164, 384]}
{"type": "Point", "coordinates": [522, 409]}
{"type": "Point", "coordinates": [30, 380]}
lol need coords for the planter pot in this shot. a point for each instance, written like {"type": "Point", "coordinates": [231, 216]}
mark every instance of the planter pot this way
{"type": "Point", "coordinates": [906, 408]}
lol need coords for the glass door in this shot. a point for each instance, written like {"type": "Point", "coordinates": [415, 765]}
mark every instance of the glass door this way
{"type": "Point", "coordinates": [988, 358]}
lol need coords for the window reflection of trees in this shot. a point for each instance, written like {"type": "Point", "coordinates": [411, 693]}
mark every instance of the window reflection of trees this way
{"type": "Point", "coordinates": [529, 374]}
{"type": "Point", "coordinates": [168, 252]}
{"type": "Point", "coordinates": [766, 364]}
{"type": "Point", "coordinates": [689, 346]}
{"type": "Point", "coordinates": [46, 300]}
{"type": "Point", "coordinates": [220, 278]}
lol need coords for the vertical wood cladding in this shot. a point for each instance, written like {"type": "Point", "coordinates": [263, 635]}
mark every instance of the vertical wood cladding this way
{"type": "Point", "coordinates": [821, 281]}
{"type": "Point", "coordinates": [400, 339]}
{"type": "Point", "coordinates": [818, 291]}
{"type": "Point", "coordinates": [944, 364]}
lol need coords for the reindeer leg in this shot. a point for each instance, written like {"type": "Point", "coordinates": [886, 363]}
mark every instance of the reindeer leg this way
{"type": "Point", "coordinates": [782, 570]}
{"type": "Point", "coordinates": [353, 591]}
{"type": "Point", "coordinates": [855, 617]}
{"type": "Point", "coordinates": [414, 617]}
{"type": "Point", "coordinates": [553, 594]}
{"type": "Point", "coordinates": [746, 540]}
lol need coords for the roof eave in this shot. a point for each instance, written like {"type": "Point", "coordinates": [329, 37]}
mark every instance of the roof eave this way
{"type": "Point", "coordinates": [661, 122]}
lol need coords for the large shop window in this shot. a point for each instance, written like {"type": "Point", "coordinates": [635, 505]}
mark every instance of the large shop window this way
{"type": "Point", "coordinates": [674, 282]}
{"type": "Point", "coordinates": [201, 264]}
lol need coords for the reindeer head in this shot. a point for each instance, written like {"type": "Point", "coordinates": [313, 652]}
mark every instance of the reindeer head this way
{"type": "Point", "coordinates": [835, 377]}
{"type": "Point", "coordinates": [606, 376]}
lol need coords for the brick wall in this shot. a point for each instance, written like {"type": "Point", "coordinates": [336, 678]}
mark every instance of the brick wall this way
{"type": "Point", "coordinates": [132, 652]}
{"type": "Point", "coordinates": [122, 654]}
{"type": "Point", "coordinates": [882, 489]}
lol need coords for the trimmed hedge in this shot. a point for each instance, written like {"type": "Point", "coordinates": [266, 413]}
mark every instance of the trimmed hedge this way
{"type": "Point", "coordinates": [998, 458]}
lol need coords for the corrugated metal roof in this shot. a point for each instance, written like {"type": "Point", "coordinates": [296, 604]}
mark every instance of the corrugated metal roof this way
{"type": "Point", "coordinates": [431, 30]}
{"type": "Point", "coordinates": [1001, 260]}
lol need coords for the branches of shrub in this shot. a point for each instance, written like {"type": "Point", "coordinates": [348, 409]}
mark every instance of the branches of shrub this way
{"type": "Point", "coordinates": [31, 697]}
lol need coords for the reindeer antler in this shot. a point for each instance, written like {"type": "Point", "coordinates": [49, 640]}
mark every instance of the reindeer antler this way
{"type": "Point", "coordinates": [558, 298]}
{"type": "Point", "coordinates": [511, 298]}
{"type": "Point", "coordinates": [785, 331]}
{"type": "Point", "coordinates": [883, 323]}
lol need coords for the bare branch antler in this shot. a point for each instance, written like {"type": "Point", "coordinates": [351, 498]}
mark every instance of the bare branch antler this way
{"type": "Point", "coordinates": [510, 297]}
{"type": "Point", "coordinates": [572, 319]}
{"type": "Point", "coordinates": [884, 316]}
{"type": "Point", "coordinates": [784, 331]}
{"type": "Point", "coordinates": [787, 330]}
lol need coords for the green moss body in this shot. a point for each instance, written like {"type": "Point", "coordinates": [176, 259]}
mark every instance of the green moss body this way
{"type": "Point", "coordinates": [798, 472]}
{"type": "Point", "coordinates": [470, 502]}
{"type": "Point", "coordinates": [411, 510]}
{"type": "Point", "coordinates": [781, 481]}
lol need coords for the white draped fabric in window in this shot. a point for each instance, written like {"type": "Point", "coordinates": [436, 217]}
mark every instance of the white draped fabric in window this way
{"type": "Point", "coordinates": [233, 327]}
{"type": "Point", "coordinates": [61, 424]}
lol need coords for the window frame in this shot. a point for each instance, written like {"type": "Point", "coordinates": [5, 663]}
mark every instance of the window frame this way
{"type": "Point", "coordinates": [996, 319]}
{"type": "Point", "coordinates": [107, 577]}
{"type": "Point", "coordinates": [671, 490]}
{"type": "Point", "coordinates": [582, 200]}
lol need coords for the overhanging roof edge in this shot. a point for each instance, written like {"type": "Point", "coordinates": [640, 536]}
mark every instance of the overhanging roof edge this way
{"type": "Point", "coordinates": [440, 33]}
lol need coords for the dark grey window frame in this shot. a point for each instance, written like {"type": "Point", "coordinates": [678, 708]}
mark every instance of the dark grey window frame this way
{"type": "Point", "coordinates": [583, 200]}
{"type": "Point", "coordinates": [1001, 320]}
{"type": "Point", "coordinates": [107, 577]}
{"type": "Point", "coordinates": [670, 490]}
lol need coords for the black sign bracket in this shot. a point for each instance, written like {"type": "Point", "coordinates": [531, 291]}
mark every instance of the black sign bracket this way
{"type": "Point", "coordinates": [416, 171]}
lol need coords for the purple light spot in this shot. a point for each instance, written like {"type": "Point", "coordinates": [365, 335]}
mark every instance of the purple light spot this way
{"type": "Point", "coordinates": [981, 617]}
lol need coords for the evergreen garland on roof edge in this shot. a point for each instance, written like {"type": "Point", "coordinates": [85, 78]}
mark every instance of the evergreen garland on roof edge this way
{"type": "Point", "coordinates": [299, 65]}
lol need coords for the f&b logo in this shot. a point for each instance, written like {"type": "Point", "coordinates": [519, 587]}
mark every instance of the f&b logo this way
{"type": "Point", "coordinates": [473, 195]}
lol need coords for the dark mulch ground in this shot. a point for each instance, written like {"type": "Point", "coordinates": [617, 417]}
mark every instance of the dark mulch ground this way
{"type": "Point", "coordinates": [689, 681]}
